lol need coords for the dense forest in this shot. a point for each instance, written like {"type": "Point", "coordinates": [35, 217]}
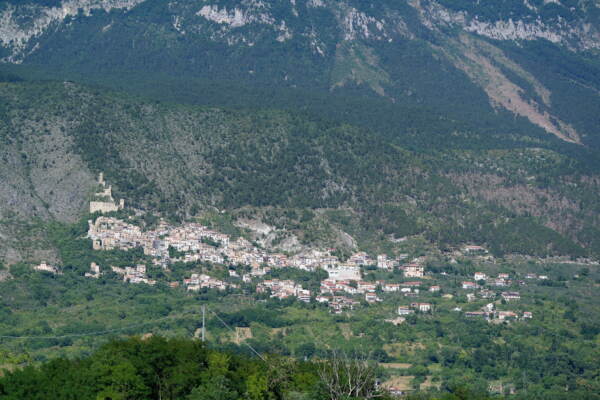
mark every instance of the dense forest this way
{"type": "Point", "coordinates": [158, 368]}
{"type": "Point", "coordinates": [394, 68]}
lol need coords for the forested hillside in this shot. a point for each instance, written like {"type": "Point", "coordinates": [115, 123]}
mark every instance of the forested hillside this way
{"type": "Point", "coordinates": [505, 67]}
{"type": "Point", "coordinates": [178, 160]}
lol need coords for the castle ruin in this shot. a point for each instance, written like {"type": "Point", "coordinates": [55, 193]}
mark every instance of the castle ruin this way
{"type": "Point", "coordinates": [103, 201]}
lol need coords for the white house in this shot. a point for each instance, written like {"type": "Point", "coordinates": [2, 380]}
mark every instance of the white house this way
{"type": "Point", "coordinates": [405, 310]}
{"type": "Point", "coordinates": [422, 307]}
{"type": "Point", "coordinates": [479, 276]}
{"type": "Point", "coordinates": [414, 271]}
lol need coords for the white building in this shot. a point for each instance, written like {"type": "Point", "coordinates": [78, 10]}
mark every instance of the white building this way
{"type": "Point", "coordinates": [405, 310]}
{"type": "Point", "coordinates": [371, 298]}
{"type": "Point", "coordinates": [508, 296]}
{"type": "Point", "coordinates": [469, 285]}
{"type": "Point", "coordinates": [46, 268]}
{"type": "Point", "coordinates": [383, 262]}
{"type": "Point", "coordinates": [414, 271]}
{"type": "Point", "coordinates": [422, 307]}
{"type": "Point", "coordinates": [94, 271]}
{"type": "Point", "coordinates": [479, 276]}
{"type": "Point", "coordinates": [344, 273]}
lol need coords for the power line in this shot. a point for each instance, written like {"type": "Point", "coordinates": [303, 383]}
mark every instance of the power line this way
{"type": "Point", "coordinates": [108, 331]}
{"type": "Point", "coordinates": [316, 339]}
{"type": "Point", "coordinates": [231, 329]}
{"type": "Point", "coordinates": [203, 323]}
{"type": "Point", "coordinates": [96, 333]}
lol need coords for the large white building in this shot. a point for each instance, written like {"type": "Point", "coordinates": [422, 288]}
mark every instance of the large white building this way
{"type": "Point", "coordinates": [344, 273]}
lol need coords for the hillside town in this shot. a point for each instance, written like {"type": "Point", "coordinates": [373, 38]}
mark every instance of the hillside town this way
{"type": "Point", "coordinates": [398, 289]}
{"type": "Point", "coordinates": [343, 289]}
{"type": "Point", "coordinates": [349, 283]}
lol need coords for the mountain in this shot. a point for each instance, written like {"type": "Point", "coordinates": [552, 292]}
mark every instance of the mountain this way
{"type": "Point", "coordinates": [508, 66]}
{"type": "Point", "coordinates": [316, 179]}
{"type": "Point", "coordinates": [456, 121]}
{"type": "Point", "coordinates": [455, 142]}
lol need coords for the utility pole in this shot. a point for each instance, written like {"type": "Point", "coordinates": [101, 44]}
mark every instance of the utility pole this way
{"type": "Point", "coordinates": [203, 322]}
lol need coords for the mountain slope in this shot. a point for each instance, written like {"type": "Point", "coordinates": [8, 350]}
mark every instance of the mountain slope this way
{"type": "Point", "coordinates": [455, 57]}
{"type": "Point", "coordinates": [178, 160]}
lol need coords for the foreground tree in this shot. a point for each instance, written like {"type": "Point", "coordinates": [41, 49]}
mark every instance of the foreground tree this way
{"type": "Point", "coordinates": [349, 376]}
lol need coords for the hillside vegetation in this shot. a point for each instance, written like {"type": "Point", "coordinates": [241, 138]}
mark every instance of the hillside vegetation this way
{"type": "Point", "coordinates": [445, 152]}
{"type": "Point", "coordinates": [157, 368]}
{"type": "Point", "coordinates": [512, 66]}
{"type": "Point", "coordinates": [178, 160]}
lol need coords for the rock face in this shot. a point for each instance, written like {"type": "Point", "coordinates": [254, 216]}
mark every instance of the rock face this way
{"type": "Point", "coordinates": [41, 176]}
{"type": "Point", "coordinates": [531, 23]}
{"type": "Point", "coordinates": [20, 25]}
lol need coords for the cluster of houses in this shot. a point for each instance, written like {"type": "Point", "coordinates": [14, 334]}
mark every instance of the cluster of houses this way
{"type": "Point", "coordinates": [502, 280]}
{"type": "Point", "coordinates": [534, 276]}
{"type": "Point", "coordinates": [201, 281]}
{"type": "Point", "coordinates": [490, 313]}
{"type": "Point", "coordinates": [135, 274]}
{"type": "Point", "coordinates": [347, 279]}
{"type": "Point", "coordinates": [109, 233]}
{"type": "Point", "coordinates": [415, 307]}
{"type": "Point", "coordinates": [337, 304]}
{"type": "Point", "coordinates": [353, 287]}
{"type": "Point", "coordinates": [130, 274]}
{"type": "Point", "coordinates": [499, 316]}
{"type": "Point", "coordinates": [282, 289]}
{"type": "Point", "coordinates": [195, 242]}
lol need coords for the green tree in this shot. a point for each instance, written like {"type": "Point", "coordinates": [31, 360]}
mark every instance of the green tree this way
{"type": "Point", "coordinates": [257, 387]}
{"type": "Point", "coordinates": [216, 388]}
{"type": "Point", "coordinates": [118, 380]}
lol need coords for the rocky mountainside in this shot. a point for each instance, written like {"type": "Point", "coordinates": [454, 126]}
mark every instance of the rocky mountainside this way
{"type": "Point", "coordinates": [455, 121]}
{"type": "Point", "coordinates": [316, 180]}
{"type": "Point", "coordinates": [484, 63]}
